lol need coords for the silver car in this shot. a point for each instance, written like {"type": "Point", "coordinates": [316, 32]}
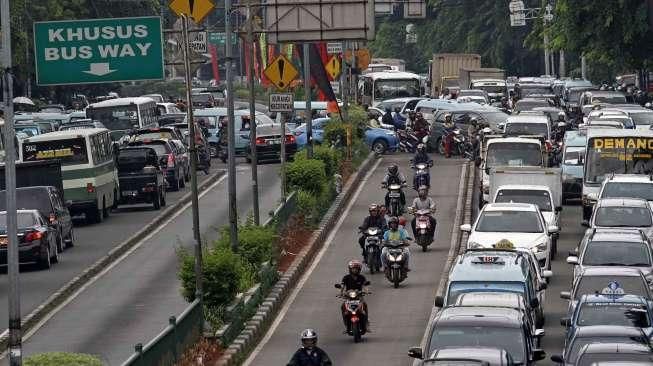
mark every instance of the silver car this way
{"type": "Point", "coordinates": [619, 213]}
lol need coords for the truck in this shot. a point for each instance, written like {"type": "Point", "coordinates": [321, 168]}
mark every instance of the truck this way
{"type": "Point", "coordinates": [467, 75]}
{"type": "Point", "coordinates": [445, 69]}
{"type": "Point", "coordinates": [35, 173]}
{"type": "Point", "coordinates": [396, 64]}
{"type": "Point", "coordinates": [539, 186]}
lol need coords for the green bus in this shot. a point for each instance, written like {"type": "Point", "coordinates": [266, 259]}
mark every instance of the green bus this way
{"type": "Point", "coordinates": [90, 178]}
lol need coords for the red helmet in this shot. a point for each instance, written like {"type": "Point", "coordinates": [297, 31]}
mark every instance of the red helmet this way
{"type": "Point", "coordinates": [402, 221]}
{"type": "Point", "coordinates": [355, 265]}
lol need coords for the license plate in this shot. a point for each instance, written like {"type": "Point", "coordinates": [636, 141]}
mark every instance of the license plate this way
{"type": "Point", "coordinates": [3, 242]}
{"type": "Point", "coordinates": [394, 195]}
{"type": "Point", "coordinates": [129, 193]}
{"type": "Point", "coordinates": [274, 142]}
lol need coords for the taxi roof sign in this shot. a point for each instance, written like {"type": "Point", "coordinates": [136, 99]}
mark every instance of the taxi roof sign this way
{"type": "Point", "coordinates": [487, 259]}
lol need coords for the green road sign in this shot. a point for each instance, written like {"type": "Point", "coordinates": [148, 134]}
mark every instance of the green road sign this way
{"type": "Point", "coordinates": [220, 38]}
{"type": "Point", "coordinates": [98, 50]}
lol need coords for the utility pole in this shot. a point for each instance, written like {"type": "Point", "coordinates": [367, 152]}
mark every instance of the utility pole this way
{"type": "Point", "coordinates": [562, 69]}
{"type": "Point", "coordinates": [231, 129]}
{"type": "Point", "coordinates": [307, 88]}
{"type": "Point", "coordinates": [15, 332]}
{"type": "Point", "coordinates": [583, 67]}
{"type": "Point", "coordinates": [252, 115]}
{"type": "Point", "coordinates": [193, 162]}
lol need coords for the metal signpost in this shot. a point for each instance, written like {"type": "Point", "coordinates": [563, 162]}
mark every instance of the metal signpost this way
{"type": "Point", "coordinates": [231, 128]}
{"type": "Point", "coordinates": [98, 50]}
{"type": "Point", "coordinates": [252, 116]}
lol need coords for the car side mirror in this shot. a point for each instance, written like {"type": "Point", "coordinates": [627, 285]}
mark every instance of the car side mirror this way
{"type": "Point", "coordinates": [565, 295]}
{"type": "Point", "coordinates": [557, 359]}
{"type": "Point", "coordinates": [337, 285]}
{"type": "Point", "coordinates": [534, 303]}
{"type": "Point", "coordinates": [439, 301]}
{"type": "Point", "coordinates": [573, 253]}
{"type": "Point", "coordinates": [585, 223]}
{"type": "Point", "coordinates": [415, 352]}
{"type": "Point", "coordinates": [559, 208]}
{"type": "Point", "coordinates": [539, 332]}
{"type": "Point", "coordinates": [466, 228]}
{"type": "Point", "coordinates": [572, 260]}
{"type": "Point", "coordinates": [547, 274]}
{"type": "Point", "coordinates": [553, 229]}
{"type": "Point", "coordinates": [538, 354]}
{"type": "Point", "coordinates": [565, 322]}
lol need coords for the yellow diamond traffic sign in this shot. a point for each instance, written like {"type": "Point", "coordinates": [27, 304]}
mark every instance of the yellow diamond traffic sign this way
{"type": "Point", "coordinates": [281, 72]}
{"type": "Point", "coordinates": [195, 9]}
{"type": "Point", "coordinates": [333, 67]}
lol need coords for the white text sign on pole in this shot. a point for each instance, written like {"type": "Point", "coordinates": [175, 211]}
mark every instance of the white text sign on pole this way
{"type": "Point", "coordinates": [281, 102]}
{"type": "Point", "coordinates": [334, 47]}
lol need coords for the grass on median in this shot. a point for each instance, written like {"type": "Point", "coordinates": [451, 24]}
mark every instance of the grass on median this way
{"type": "Point", "coordinates": [62, 359]}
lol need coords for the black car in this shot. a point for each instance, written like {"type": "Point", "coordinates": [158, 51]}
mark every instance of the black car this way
{"type": "Point", "coordinates": [461, 118]}
{"type": "Point", "coordinates": [171, 118]}
{"type": "Point", "coordinates": [268, 144]}
{"type": "Point", "coordinates": [48, 201]}
{"type": "Point", "coordinates": [141, 177]}
{"type": "Point", "coordinates": [472, 356]}
{"type": "Point", "coordinates": [462, 326]}
{"type": "Point", "coordinates": [37, 241]}
{"type": "Point", "coordinates": [168, 160]}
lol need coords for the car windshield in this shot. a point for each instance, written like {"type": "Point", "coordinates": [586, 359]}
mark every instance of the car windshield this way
{"type": "Point", "coordinates": [30, 199]}
{"type": "Point", "coordinates": [620, 216]}
{"type": "Point", "coordinates": [25, 220]}
{"type": "Point", "coordinates": [528, 105]}
{"type": "Point", "coordinates": [600, 253]}
{"type": "Point", "coordinates": [540, 198]}
{"type": "Point", "coordinates": [480, 336]}
{"type": "Point", "coordinates": [628, 190]}
{"type": "Point", "coordinates": [613, 313]}
{"type": "Point", "coordinates": [609, 99]}
{"type": "Point", "coordinates": [28, 130]}
{"type": "Point", "coordinates": [592, 359]}
{"type": "Point", "coordinates": [457, 288]}
{"type": "Point", "coordinates": [520, 128]}
{"type": "Point", "coordinates": [512, 154]}
{"type": "Point", "coordinates": [526, 91]}
{"type": "Point", "coordinates": [154, 135]}
{"type": "Point", "coordinates": [202, 98]}
{"type": "Point", "coordinates": [208, 121]}
{"type": "Point", "coordinates": [611, 285]}
{"type": "Point", "coordinates": [580, 342]}
{"type": "Point", "coordinates": [509, 222]}
{"type": "Point", "coordinates": [642, 118]}
{"type": "Point", "coordinates": [491, 89]}
{"type": "Point", "coordinates": [574, 156]}
{"type": "Point", "coordinates": [494, 118]}
{"type": "Point", "coordinates": [160, 149]}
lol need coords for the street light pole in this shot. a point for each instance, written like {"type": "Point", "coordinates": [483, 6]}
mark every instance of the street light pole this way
{"type": "Point", "coordinates": [307, 88]}
{"type": "Point", "coordinates": [231, 130]}
{"type": "Point", "coordinates": [252, 115]}
{"type": "Point", "coordinates": [15, 331]}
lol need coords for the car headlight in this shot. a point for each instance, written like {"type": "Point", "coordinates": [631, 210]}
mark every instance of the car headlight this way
{"type": "Point", "coordinates": [474, 245]}
{"type": "Point", "coordinates": [539, 248]}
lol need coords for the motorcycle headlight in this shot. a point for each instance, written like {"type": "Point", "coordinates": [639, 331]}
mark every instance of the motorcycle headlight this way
{"type": "Point", "coordinates": [474, 245]}
{"type": "Point", "coordinates": [539, 248]}
{"type": "Point", "coordinates": [399, 257]}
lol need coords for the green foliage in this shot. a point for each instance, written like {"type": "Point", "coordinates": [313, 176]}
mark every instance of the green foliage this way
{"type": "Point", "coordinates": [222, 271]}
{"type": "Point", "coordinates": [255, 243]}
{"type": "Point", "coordinates": [62, 359]}
{"type": "Point", "coordinates": [306, 174]}
{"type": "Point", "coordinates": [307, 205]}
{"type": "Point", "coordinates": [335, 131]}
{"type": "Point", "coordinates": [173, 88]}
{"type": "Point", "coordinates": [330, 157]}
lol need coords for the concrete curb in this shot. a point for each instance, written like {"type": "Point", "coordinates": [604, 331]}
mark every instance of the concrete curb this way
{"type": "Point", "coordinates": [256, 327]}
{"type": "Point", "coordinates": [57, 298]}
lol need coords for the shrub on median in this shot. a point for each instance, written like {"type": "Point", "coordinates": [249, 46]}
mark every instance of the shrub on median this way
{"type": "Point", "coordinates": [306, 174]}
{"type": "Point", "coordinates": [62, 359]}
{"type": "Point", "coordinates": [255, 243]}
{"type": "Point", "coordinates": [330, 157]}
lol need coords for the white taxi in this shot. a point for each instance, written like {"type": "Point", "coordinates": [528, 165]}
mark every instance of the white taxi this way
{"type": "Point", "coordinates": [515, 224]}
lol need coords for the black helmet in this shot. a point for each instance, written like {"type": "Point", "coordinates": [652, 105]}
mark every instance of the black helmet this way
{"type": "Point", "coordinates": [393, 220]}
{"type": "Point", "coordinates": [393, 169]}
{"type": "Point", "coordinates": [309, 338]}
{"type": "Point", "coordinates": [355, 266]}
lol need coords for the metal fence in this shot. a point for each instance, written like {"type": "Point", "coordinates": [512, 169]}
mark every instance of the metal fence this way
{"type": "Point", "coordinates": [168, 346]}
{"type": "Point", "coordinates": [282, 213]}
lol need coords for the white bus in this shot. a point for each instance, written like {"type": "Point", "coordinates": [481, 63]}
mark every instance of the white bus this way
{"type": "Point", "coordinates": [90, 178]}
{"type": "Point", "coordinates": [123, 114]}
{"type": "Point", "coordinates": [378, 86]}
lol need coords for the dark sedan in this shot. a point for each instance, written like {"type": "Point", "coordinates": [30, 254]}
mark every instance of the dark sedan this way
{"type": "Point", "coordinates": [37, 241]}
{"type": "Point", "coordinates": [268, 144]}
{"type": "Point", "coordinates": [168, 159]}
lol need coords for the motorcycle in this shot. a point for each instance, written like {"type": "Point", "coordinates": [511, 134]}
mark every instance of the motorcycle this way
{"type": "Point", "coordinates": [394, 193]}
{"type": "Point", "coordinates": [353, 312]}
{"type": "Point", "coordinates": [395, 260]}
{"type": "Point", "coordinates": [408, 140]}
{"type": "Point", "coordinates": [460, 145]}
{"type": "Point", "coordinates": [203, 159]}
{"type": "Point", "coordinates": [373, 238]}
{"type": "Point", "coordinates": [423, 235]}
{"type": "Point", "coordinates": [422, 175]}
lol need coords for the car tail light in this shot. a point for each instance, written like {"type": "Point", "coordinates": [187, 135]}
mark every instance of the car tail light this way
{"type": "Point", "coordinates": [171, 160]}
{"type": "Point", "coordinates": [90, 188]}
{"type": "Point", "coordinates": [32, 236]}
{"type": "Point", "coordinates": [290, 139]}
{"type": "Point", "coordinates": [260, 140]}
{"type": "Point", "coordinates": [548, 146]}
{"type": "Point", "coordinates": [52, 218]}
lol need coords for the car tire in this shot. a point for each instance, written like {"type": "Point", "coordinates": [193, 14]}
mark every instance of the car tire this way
{"type": "Point", "coordinates": [163, 196]}
{"type": "Point", "coordinates": [45, 261]}
{"type": "Point", "coordinates": [182, 182]}
{"type": "Point", "coordinates": [379, 146]}
{"type": "Point", "coordinates": [55, 255]}
{"type": "Point", "coordinates": [114, 206]}
{"type": "Point", "coordinates": [213, 150]}
{"type": "Point", "coordinates": [106, 211]}
{"type": "Point", "coordinates": [175, 186]}
{"type": "Point", "coordinates": [157, 201]}
{"type": "Point", "coordinates": [71, 239]}
{"type": "Point", "coordinates": [94, 216]}
{"type": "Point", "coordinates": [60, 243]}
{"type": "Point", "coordinates": [440, 146]}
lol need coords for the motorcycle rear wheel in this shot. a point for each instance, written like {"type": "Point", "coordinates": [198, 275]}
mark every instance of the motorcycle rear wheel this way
{"type": "Point", "coordinates": [372, 263]}
{"type": "Point", "coordinates": [356, 331]}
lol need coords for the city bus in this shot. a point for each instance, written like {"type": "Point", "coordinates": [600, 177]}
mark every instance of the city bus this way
{"type": "Point", "coordinates": [613, 151]}
{"type": "Point", "coordinates": [379, 86]}
{"type": "Point", "coordinates": [90, 178]}
{"type": "Point", "coordinates": [121, 115]}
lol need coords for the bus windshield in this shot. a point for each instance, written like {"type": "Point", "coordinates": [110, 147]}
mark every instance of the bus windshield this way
{"type": "Point", "coordinates": [619, 155]}
{"type": "Point", "coordinates": [396, 88]}
{"type": "Point", "coordinates": [116, 118]}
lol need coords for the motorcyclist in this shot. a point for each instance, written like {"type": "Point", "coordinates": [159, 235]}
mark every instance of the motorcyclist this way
{"type": "Point", "coordinates": [421, 157]}
{"type": "Point", "coordinates": [395, 233]}
{"type": "Point", "coordinates": [375, 219]}
{"type": "Point", "coordinates": [309, 354]}
{"type": "Point", "coordinates": [421, 126]}
{"type": "Point", "coordinates": [412, 117]}
{"type": "Point", "coordinates": [354, 280]}
{"type": "Point", "coordinates": [472, 131]}
{"type": "Point", "coordinates": [398, 120]}
{"type": "Point", "coordinates": [449, 127]}
{"type": "Point", "coordinates": [372, 121]}
{"type": "Point", "coordinates": [394, 176]}
{"type": "Point", "coordinates": [423, 202]}
{"type": "Point", "coordinates": [387, 118]}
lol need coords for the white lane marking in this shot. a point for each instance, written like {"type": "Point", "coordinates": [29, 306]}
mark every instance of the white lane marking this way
{"type": "Point", "coordinates": [307, 274]}
{"type": "Point", "coordinates": [49, 316]}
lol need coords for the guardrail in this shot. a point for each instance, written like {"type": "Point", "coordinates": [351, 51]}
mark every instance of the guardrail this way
{"type": "Point", "coordinates": [169, 345]}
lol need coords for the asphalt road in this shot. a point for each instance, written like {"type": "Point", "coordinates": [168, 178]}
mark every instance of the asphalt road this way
{"type": "Point", "coordinates": [556, 308]}
{"type": "Point", "coordinates": [398, 316]}
{"type": "Point", "coordinates": [92, 242]}
{"type": "Point", "coordinates": [132, 301]}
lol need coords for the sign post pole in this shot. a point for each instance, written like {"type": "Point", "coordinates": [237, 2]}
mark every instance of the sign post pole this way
{"type": "Point", "coordinates": [252, 116]}
{"type": "Point", "coordinates": [15, 331]}
{"type": "Point", "coordinates": [231, 130]}
{"type": "Point", "coordinates": [309, 113]}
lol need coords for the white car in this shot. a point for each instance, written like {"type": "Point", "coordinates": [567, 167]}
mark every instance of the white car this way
{"type": "Point", "coordinates": [520, 224]}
